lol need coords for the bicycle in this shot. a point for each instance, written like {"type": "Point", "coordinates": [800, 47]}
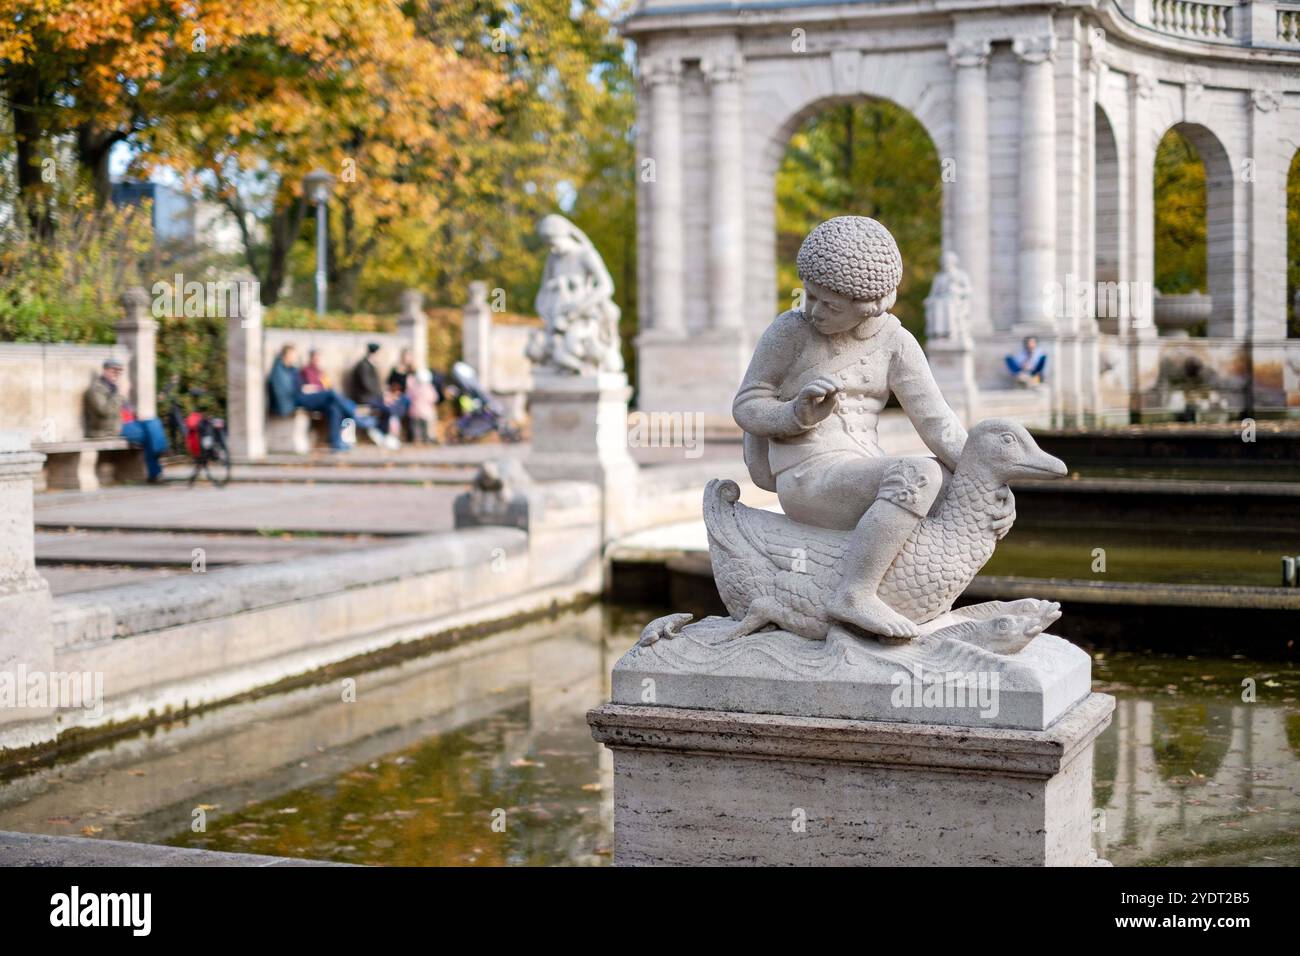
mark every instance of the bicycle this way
{"type": "Point", "coordinates": [200, 434]}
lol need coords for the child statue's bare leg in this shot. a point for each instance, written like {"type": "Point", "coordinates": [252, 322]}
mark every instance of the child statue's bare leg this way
{"type": "Point", "coordinates": [906, 493]}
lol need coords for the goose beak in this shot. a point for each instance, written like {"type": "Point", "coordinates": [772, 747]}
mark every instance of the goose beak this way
{"type": "Point", "coordinates": [1041, 463]}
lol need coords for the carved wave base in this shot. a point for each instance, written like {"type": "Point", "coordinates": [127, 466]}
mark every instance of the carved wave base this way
{"type": "Point", "coordinates": [714, 788]}
{"type": "Point", "coordinates": [931, 680]}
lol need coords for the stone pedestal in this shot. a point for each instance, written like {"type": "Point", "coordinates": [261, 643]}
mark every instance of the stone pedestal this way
{"type": "Point", "coordinates": [774, 750]}
{"type": "Point", "coordinates": [953, 363]}
{"type": "Point", "coordinates": [695, 374]}
{"type": "Point", "coordinates": [580, 428]}
{"type": "Point", "coordinates": [26, 641]}
{"type": "Point", "coordinates": [709, 788]}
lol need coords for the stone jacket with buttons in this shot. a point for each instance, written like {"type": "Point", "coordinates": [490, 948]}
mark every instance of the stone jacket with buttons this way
{"type": "Point", "coordinates": [867, 362]}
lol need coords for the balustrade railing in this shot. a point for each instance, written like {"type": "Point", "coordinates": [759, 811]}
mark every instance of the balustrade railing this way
{"type": "Point", "coordinates": [1288, 24]}
{"type": "Point", "coordinates": [1195, 18]}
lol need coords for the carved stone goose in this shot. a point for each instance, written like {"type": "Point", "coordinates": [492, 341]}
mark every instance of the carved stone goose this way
{"type": "Point", "coordinates": [774, 571]}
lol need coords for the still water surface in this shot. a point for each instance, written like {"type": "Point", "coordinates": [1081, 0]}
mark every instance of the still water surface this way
{"type": "Point", "coordinates": [433, 751]}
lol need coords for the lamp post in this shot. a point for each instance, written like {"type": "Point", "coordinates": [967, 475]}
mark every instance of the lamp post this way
{"type": "Point", "coordinates": [316, 186]}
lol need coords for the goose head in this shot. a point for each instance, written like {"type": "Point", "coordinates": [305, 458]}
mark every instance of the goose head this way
{"type": "Point", "coordinates": [1004, 450]}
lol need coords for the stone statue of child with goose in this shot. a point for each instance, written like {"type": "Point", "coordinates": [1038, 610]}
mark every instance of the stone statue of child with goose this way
{"type": "Point", "coordinates": [870, 545]}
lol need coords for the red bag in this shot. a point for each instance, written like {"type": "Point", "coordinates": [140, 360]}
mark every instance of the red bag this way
{"type": "Point", "coordinates": [192, 432]}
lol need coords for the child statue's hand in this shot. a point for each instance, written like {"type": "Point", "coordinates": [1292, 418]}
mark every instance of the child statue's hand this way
{"type": "Point", "coordinates": [816, 401]}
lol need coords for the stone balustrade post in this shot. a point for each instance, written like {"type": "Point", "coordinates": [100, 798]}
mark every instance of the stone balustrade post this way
{"type": "Point", "coordinates": [246, 374]}
{"type": "Point", "coordinates": [476, 333]}
{"type": "Point", "coordinates": [1256, 23]}
{"type": "Point", "coordinates": [413, 326]}
{"type": "Point", "coordinates": [138, 332]}
{"type": "Point", "coordinates": [26, 640]}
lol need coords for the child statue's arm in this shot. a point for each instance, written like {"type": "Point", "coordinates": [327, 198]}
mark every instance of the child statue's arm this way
{"type": "Point", "coordinates": [912, 381]}
{"type": "Point", "coordinates": [759, 408]}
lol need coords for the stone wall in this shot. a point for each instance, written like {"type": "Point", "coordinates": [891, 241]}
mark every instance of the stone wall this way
{"type": "Point", "coordinates": [43, 387]}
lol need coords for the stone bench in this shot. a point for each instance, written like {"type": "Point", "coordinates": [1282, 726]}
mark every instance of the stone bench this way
{"type": "Point", "coordinates": [289, 434]}
{"type": "Point", "coordinates": [296, 434]}
{"type": "Point", "coordinates": [86, 463]}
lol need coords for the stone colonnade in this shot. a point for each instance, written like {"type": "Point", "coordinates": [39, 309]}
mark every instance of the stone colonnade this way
{"type": "Point", "coordinates": [1046, 123]}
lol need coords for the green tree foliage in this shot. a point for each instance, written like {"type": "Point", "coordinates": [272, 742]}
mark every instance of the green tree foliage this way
{"type": "Point", "coordinates": [868, 158]}
{"type": "Point", "coordinates": [1179, 216]}
{"type": "Point", "coordinates": [566, 116]}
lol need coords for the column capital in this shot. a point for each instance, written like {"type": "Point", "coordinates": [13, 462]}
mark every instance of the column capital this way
{"type": "Point", "coordinates": [968, 51]}
{"type": "Point", "coordinates": [661, 71]}
{"type": "Point", "coordinates": [1035, 48]}
{"type": "Point", "coordinates": [1143, 85]}
{"type": "Point", "coordinates": [726, 68]}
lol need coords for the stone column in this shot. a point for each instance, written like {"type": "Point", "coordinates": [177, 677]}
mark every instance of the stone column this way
{"type": "Point", "coordinates": [246, 374]}
{"type": "Point", "coordinates": [1265, 260]}
{"type": "Point", "coordinates": [476, 333]}
{"type": "Point", "coordinates": [663, 75]}
{"type": "Point", "coordinates": [413, 325]}
{"type": "Point", "coordinates": [1037, 258]}
{"type": "Point", "coordinates": [1141, 204]}
{"type": "Point", "coordinates": [726, 193]}
{"type": "Point", "coordinates": [138, 331]}
{"type": "Point", "coordinates": [1143, 348]}
{"type": "Point", "coordinates": [971, 188]}
{"type": "Point", "coordinates": [26, 641]}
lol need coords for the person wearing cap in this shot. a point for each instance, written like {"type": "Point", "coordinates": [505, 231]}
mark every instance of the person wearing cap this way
{"type": "Point", "coordinates": [810, 404]}
{"type": "Point", "coordinates": [109, 415]}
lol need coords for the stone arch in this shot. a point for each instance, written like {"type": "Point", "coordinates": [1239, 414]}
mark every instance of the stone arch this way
{"type": "Point", "coordinates": [862, 139]}
{"type": "Point", "coordinates": [782, 96]}
{"type": "Point", "coordinates": [1222, 230]}
{"type": "Point", "coordinates": [1107, 215]}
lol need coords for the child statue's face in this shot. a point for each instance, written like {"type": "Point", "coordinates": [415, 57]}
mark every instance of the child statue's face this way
{"type": "Point", "coordinates": [832, 313]}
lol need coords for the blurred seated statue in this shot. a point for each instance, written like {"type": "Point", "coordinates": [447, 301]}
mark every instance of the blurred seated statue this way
{"type": "Point", "coordinates": [947, 308]}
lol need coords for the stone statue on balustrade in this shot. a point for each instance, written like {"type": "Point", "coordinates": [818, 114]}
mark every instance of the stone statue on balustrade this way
{"type": "Point", "coordinates": [947, 308]}
{"type": "Point", "coordinates": [873, 549]}
{"type": "Point", "coordinates": [575, 300]}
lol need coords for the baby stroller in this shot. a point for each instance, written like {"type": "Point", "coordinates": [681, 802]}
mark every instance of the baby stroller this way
{"type": "Point", "coordinates": [477, 413]}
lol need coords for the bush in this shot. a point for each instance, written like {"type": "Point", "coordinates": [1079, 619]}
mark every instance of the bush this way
{"type": "Point", "coordinates": [63, 287]}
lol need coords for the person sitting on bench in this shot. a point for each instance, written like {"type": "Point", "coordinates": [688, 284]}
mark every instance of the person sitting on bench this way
{"type": "Point", "coordinates": [1029, 364]}
{"type": "Point", "coordinates": [109, 414]}
{"type": "Point", "coordinates": [287, 392]}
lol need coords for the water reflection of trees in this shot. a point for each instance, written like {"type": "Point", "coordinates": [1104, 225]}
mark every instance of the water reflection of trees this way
{"type": "Point", "coordinates": [1197, 781]}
